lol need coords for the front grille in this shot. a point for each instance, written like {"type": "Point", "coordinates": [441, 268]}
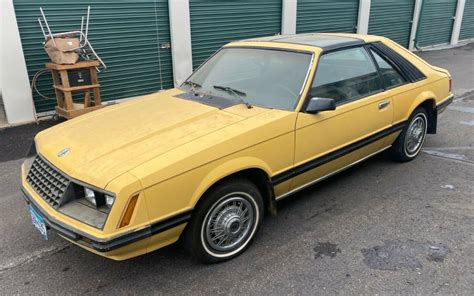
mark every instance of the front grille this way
{"type": "Point", "coordinates": [49, 183]}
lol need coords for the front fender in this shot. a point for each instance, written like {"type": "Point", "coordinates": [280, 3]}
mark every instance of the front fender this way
{"type": "Point", "coordinates": [226, 169]}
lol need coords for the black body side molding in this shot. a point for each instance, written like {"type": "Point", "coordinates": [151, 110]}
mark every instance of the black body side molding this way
{"type": "Point", "coordinates": [312, 164]}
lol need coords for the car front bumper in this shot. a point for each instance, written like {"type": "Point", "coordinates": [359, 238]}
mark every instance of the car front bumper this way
{"type": "Point", "coordinates": [120, 247]}
{"type": "Point", "coordinates": [81, 238]}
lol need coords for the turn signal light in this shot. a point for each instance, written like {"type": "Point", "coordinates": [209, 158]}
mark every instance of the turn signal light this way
{"type": "Point", "coordinates": [450, 84]}
{"type": "Point", "coordinates": [129, 211]}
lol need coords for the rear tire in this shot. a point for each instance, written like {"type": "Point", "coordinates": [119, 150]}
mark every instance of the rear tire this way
{"type": "Point", "coordinates": [409, 143]}
{"type": "Point", "coordinates": [224, 224]}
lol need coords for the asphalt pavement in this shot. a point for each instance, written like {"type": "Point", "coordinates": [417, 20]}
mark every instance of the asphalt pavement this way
{"type": "Point", "coordinates": [378, 228]}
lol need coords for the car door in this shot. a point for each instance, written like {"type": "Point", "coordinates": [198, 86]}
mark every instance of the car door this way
{"type": "Point", "coordinates": [331, 140]}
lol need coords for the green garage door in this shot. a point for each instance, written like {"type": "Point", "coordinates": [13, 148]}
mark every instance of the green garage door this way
{"type": "Point", "coordinates": [436, 22]}
{"type": "Point", "coordinates": [327, 16]}
{"type": "Point", "coordinates": [126, 34]}
{"type": "Point", "coordinates": [392, 19]}
{"type": "Point", "coordinates": [217, 22]}
{"type": "Point", "coordinates": [467, 25]}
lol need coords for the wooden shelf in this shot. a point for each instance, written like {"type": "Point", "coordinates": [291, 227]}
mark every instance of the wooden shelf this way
{"type": "Point", "coordinates": [66, 106]}
{"type": "Point", "coordinates": [76, 88]}
{"type": "Point", "coordinates": [77, 111]}
{"type": "Point", "coordinates": [83, 64]}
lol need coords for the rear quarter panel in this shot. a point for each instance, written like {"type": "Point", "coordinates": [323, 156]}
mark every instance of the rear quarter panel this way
{"type": "Point", "coordinates": [409, 96]}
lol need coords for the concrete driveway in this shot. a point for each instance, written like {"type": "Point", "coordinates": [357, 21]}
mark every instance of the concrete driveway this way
{"type": "Point", "coordinates": [378, 228]}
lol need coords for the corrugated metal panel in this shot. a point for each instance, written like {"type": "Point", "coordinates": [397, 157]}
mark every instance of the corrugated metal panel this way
{"type": "Point", "coordinates": [327, 16]}
{"type": "Point", "coordinates": [392, 19]}
{"type": "Point", "coordinates": [217, 22]}
{"type": "Point", "coordinates": [436, 22]}
{"type": "Point", "coordinates": [123, 33]}
{"type": "Point", "coordinates": [467, 26]}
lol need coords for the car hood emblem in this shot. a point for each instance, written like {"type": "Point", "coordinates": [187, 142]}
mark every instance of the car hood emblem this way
{"type": "Point", "coordinates": [63, 152]}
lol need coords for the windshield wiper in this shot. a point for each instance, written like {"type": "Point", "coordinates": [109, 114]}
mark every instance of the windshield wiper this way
{"type": "Point", "coordinates": [193, 85]}
{"type": "Point", "coordinates": [228, 89]}
{"type": "Point", "coordinates": [235, 92]}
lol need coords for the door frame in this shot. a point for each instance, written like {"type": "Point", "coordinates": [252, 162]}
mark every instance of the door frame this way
{"type": "Point", "coordinates": [352, 146]}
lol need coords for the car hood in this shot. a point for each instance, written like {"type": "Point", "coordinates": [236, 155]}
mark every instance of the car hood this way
{"type": "Point", "coordinates": [107, 143]}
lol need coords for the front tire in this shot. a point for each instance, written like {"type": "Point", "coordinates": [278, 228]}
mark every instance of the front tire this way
{"type": "Point", "coordinates": [225, 222]}
{"type": "Point", "coordinates": [410, 141]}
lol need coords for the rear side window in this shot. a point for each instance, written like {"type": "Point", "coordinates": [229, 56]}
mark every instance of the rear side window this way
{"type": "Point", "coordinates": [390, 76]}
{"type": "Point", "coordinates": [345, 75]}
{"type": "Point", "coordinates": [410, 71]}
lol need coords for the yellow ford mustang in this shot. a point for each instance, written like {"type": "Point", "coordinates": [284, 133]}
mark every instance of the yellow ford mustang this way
{"type": "Point", "coordinates": [260, 120]}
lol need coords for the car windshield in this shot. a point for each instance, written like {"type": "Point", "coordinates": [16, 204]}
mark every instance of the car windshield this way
{"type": "Point", "coordinates": [262, 77]}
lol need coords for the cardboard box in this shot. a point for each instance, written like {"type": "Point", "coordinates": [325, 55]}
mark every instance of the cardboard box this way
{"type": "Point", "coordinates": [63, 52]}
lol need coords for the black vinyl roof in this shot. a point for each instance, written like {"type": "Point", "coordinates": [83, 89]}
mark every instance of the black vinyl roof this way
{"type": "Point", "coordinates": [323, 41]}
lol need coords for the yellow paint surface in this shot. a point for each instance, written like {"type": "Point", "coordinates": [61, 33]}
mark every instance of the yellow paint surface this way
{"type": "Point", "coordinates": [170, 150]}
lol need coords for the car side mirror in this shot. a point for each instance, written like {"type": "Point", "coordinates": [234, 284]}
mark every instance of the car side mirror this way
{"type": "Point", "coordinates": [316, 105]}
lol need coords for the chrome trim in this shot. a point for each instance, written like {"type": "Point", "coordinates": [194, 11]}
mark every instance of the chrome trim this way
{"type": "Point", "coordinates": [383, 104]}
{"type": "Point", "coordinates": [328, 175]}
{"type": "Point", "coordinates": [307, 76]}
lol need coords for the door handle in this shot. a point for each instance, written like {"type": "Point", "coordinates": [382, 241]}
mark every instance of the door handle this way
{"type": "Point", "coordinates": [383, 105]}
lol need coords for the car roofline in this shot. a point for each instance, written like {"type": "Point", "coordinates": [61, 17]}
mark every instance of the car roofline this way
{"type": "Point", "coordinates": [273, 46]}
{"type": "Point", "coordinates": [345, 40]}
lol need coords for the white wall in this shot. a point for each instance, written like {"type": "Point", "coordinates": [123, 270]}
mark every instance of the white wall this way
{"type": "Point", "coordinates": [363, 17]}
{"type": "Point", "coordinates": [15, 85]}
{"type": "Point", "coordinates": [288, 18]}
{"type": "Point", "coordinates": [458, 22]}
{"type": "Point", "coordinates": [1, 48]}
{"type": "Point", "coordinates": [1, 57]}
{"type": "Point", "coordinates": [180, 31]}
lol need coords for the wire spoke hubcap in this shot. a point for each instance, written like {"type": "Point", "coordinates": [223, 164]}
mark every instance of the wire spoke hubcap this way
{"type": "Point", "coordinates": [229, 223]}
{"type": "Point", "coordinates": [415, 135]}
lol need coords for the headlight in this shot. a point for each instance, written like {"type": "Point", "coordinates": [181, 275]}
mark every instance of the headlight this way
{"type": "Point", "coordinates": [89, 194]}
{"type": "Point", "coordinates": [87, 204]}
{"type": "Point", "coordinates": [109, 201]}
{"type": "Point", "coordinates": [98, 199]}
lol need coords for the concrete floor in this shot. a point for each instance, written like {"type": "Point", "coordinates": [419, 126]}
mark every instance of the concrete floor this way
{"type": "Point", "coordinates": [378, 228]}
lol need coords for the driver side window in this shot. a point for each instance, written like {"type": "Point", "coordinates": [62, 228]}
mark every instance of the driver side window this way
{"type": "Point", "coordinates": [345, 75]}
